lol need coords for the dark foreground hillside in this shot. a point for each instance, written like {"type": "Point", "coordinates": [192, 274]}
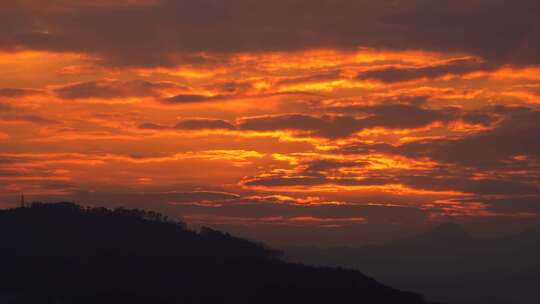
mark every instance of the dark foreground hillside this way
{"type": "Point", "coordinates": [63, 253]}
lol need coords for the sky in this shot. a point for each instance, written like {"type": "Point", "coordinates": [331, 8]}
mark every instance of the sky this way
{"type": "Point", "coordinates": [287, 121]}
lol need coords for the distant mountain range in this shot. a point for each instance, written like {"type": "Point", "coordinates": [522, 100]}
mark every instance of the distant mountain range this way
{"type": "Point", "coordinates": [66, 254]}
{"type": "Point", "coordinates": [446, 264]}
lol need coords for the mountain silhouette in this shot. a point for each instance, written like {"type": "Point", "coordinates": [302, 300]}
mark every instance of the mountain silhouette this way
{"type": "Point", "coordinates": [63, 253]}
{"type": "Point", "coordinates": [446, 264]}
{"type": "Point", "coordinates": [444, 232]}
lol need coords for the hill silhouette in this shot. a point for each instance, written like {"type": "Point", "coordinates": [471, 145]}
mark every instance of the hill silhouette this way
{"type": "Point", "coordinates": [63, 253]}
{"type": "Point", "coordinates": [446, 264]}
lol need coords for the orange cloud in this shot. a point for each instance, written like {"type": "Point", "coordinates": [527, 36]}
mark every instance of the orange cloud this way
{"type": "Point", "coordinates": [297, 130]}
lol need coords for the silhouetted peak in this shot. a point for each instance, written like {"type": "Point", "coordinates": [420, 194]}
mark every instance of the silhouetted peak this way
{"type": "Point", "coordinates": [64, 253]}
{"type": "Point", "coordinates": [446, 231]}
{"type": "Point", "coordinates": [531, 233]}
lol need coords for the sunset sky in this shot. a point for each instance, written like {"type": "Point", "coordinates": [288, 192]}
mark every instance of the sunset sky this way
{"type": "Point", "coordinates": [289, 121]}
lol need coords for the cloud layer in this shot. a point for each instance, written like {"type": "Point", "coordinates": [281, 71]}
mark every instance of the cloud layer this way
{"type": "Point", "coordinates": [306, 121]}
{"type": "Point", "coordinates": [155, 34]}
